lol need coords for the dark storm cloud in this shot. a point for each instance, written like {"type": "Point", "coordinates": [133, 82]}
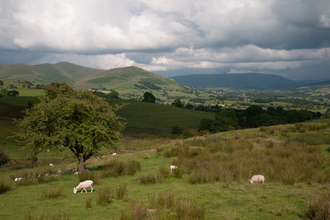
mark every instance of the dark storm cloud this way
{"type": "Point", "coordinates": [285, 37]}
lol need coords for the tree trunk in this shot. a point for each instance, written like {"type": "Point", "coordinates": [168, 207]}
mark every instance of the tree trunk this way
{"type": "Point", "coordinates": [82, 165]}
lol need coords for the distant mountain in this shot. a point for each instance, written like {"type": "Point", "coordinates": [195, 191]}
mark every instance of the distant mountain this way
{"type": "Point", "coordinates": [324, 84]}
{"type": "Point", "coordinates": [237, 81]}
{"type": "Point", "coordinates": [46, 73]}
{"type": "Point", "coordinates": [126, 78]}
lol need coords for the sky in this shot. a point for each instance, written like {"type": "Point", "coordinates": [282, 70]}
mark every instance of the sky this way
{"type": "Point", "coordinates": [290, 38]}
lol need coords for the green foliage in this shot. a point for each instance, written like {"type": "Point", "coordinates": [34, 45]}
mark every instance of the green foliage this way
{"type": "Point", "coordinates": [41, 215]}
{"type": "Point", "coordinates": [12, 93]}
{"type": "Point", "coordinates": [64, 118]}
{"type": "Point", "coordinates": [164, 171]}
{"type": "Point", "coordinates": [88, 202]}
{"type": "Point", "coordinates": [3, 157]}
{"type": "Point", "coordinates": [114, 94]}
{"type": "Point", "coordinates": [178, 103]}
{"type": "Point", "coordinates": [188, 133]}
{"type": "Point", "coordinates": [148, 97]}
{"type": "Point", "coordinates": [150, 179]}
{"type": "Point", "coordinates": [1, 83]}
{"type": "Point", "coordinates": [177, 130]}
{"type": "Point", "coordinates": [225, 121]}
{"type": "Point", "coordinates": [136, 211]}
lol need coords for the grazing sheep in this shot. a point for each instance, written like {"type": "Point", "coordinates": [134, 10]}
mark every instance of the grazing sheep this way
{"type": "Point", "coordinates": [257, 179]}
{"type": "Point", "coordinates": [51, 165]}
{"type": "Point", "coordinates": [172, 167]}
{"type": "Point", "coordinates": [18, 179]}
{"type": "Point", "coordinates": [114, 154]}
{"type": "Point", "coordinates": [83, 186]}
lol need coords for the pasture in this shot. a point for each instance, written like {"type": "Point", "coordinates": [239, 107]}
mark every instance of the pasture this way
{"type": "Point", "coordinates": [212, 176]}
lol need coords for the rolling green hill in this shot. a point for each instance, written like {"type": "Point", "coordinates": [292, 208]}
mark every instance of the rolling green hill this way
{"type": "Point", "coordinates": [237, 81]}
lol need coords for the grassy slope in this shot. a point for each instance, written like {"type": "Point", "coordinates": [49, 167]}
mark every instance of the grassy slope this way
{"type": "Point", "coordinates": [151, 115]}
{"type": "Point", "coordinates": [240, 200]}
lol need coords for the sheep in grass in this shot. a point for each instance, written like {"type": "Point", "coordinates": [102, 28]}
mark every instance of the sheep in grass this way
{"type": "Point", "coordinates": [172, 167]}
{"type": "Point", "coordinates": [257, 179]}
{"type": "Point", "coordinates": [51, 165]}
{"type": "Point", "coordinates": [83, 186]}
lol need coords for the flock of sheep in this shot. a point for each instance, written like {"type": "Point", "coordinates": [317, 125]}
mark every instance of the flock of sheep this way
{"type": "Point", "coordinates": [89, 183]}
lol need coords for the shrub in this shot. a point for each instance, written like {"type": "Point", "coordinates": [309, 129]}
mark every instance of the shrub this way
{"type": "Point", "coordinates": [3, 157]}
{"type": "Point", "coordinates": [177, 130]}
{"type": "Point", "coordinates": [162, 201]}
{"type": "Point", "coordinates": [120, 168]}
{"type": "Point", "coordinates": [188, 133]}
{"type": "Point", "coordinates": [103, 196]}
{"type": "Point", "coordinates": [5, 186]}
{"type": "Point", "coordinates": [318, 208]}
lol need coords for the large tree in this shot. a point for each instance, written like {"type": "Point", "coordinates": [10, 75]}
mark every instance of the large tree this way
{"type": "Point", "coordinates": [65, 118]}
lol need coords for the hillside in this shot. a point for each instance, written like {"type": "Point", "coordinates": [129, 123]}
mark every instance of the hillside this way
{"type": "Point", "coordinates": [46, 73]}
{"type": "Point", "coordinates": [324, 84]}
{"type": "Point", "coordinates": [237, 81]}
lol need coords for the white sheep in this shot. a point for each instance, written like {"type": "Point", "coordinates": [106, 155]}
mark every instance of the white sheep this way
{"type": "Point", "coordinates": [51, 165]}
{"type": "Point", "coordinates": [83, 186]}
{"type": "Point", "coordinates": [257, 179]}
{"type": "Point", "coordinates": [17, 179]}
{"type": "Point", "coordinates": [172, 167]}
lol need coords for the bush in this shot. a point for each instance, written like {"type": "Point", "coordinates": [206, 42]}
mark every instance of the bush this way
{"type": "Point", "coordinates": [3, 157]}
{"type": "Point", "coordinates": [177, 130]}
{"type": "Point", "coordinates": [318, 208]}
{"type": "Point", "coordinates": [188, 134]}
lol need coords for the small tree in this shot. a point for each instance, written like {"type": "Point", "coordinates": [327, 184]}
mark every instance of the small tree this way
{"type": "Point", "coordinates": [114, 94]}
{"type": "Point", "coordinates": [1, 83]}
{"type": "Point", "coordinates": [178, 103]}
{"type": "Point", "coordinates": [149, 97]}
{"type": "Point", "coordinates": [64, 118]}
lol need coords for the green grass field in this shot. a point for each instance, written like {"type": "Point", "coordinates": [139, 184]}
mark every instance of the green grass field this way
{"type": "Point", "coordinates": [294, 158]}
{"type": "Point", "coordinates": [151, 115]}
{"type": "Point", "coordinates": [229, 198]}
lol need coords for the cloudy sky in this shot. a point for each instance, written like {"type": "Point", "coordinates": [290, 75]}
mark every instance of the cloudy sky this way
{"type": "Point", "coordinates": [290, 38]}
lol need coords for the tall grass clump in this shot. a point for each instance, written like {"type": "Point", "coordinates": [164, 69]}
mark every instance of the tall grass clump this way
{"type": "Point", "coordinates": [137, 211]}
{"type": "Point", "coordinates": [40, 215]}
{"type": "Point", "coordinates": [5, 186]}
{"type": "Point", "coordinates": [54, 192]}
{"type": "Point", "coordinates": [121, 191]}
{"type": "Point", "coordinates": [88, 202]}
{"type": "Point", "coordinates": [119, 168]}
{"type": "Point", "coordinates": [150, 179]}
{"type": "Point", "coordinates": [164, 171]}
{"type": "Point", "coordinates": [189, 208]}
{"type": "Point", "coordinates": [178, 173]}
{"type": "Point", "coordinates": [103, 196]}
{"type": "Point", "coordinates": [310, 139]}
{"type": "Point", "coordinates": [289, 163]}
{"type": "Point", "coordinates": [162, 201]}
{"type": "Point", "coordinates": [88, 176]}
{"type": "Point", "coordinates": [319, 207]}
